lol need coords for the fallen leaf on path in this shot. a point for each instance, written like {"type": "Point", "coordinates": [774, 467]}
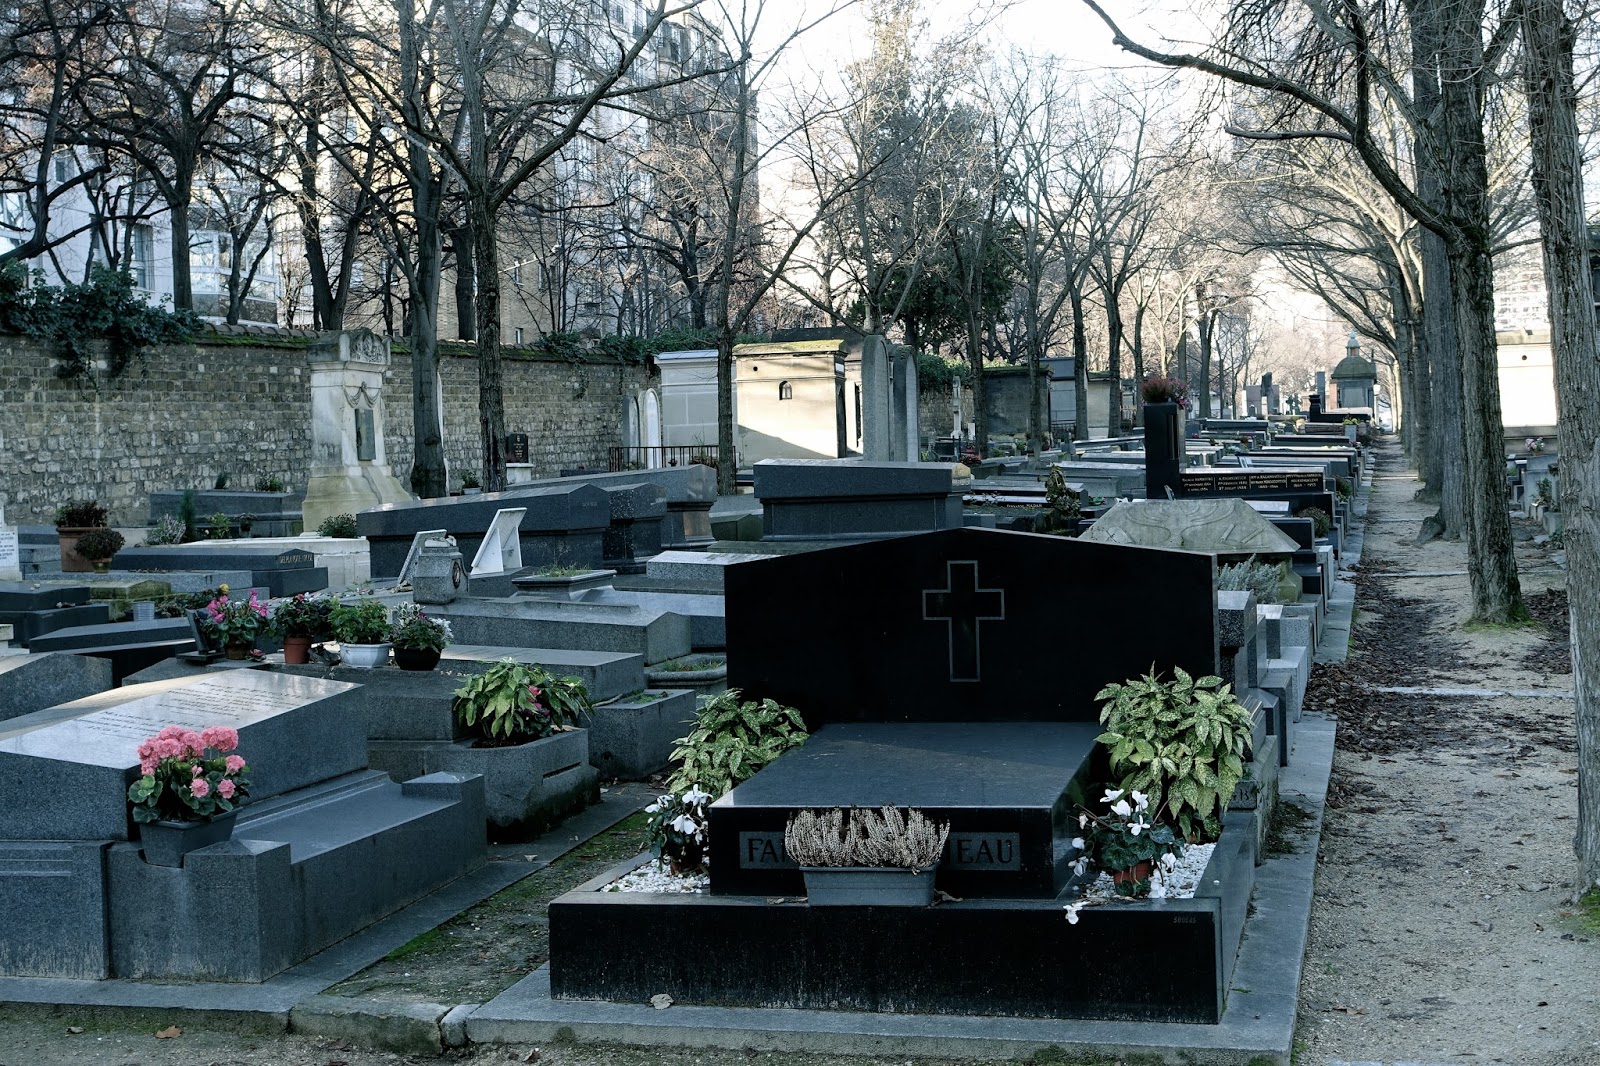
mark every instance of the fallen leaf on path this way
{"type": "Point", "coordinates": [169, 1032]}
{"type": "Point", "coordinates": [74, 1029]}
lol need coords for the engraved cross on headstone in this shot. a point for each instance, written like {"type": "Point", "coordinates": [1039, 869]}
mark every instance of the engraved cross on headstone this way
{"type": "Point", "coordinates": [962, 605]}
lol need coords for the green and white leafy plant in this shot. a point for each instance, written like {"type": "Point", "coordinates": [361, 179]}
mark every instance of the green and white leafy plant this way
{"type": "Point", "coordinates": [1182, 742]}
{"type": "Point", "coordinates": [731, 740]}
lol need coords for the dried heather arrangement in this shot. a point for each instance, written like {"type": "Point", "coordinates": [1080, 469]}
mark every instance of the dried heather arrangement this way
{"type": "Point", "coordinates": [887, 837]}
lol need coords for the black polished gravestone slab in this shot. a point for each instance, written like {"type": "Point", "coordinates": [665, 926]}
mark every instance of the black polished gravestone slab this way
{"type": "Point", "coordinates": [1009, 790]}
{"type": "Point", "coordinates": [28, 596]}
{"type": "Point", "coordinates": [561, 525]}
{"type": "Point", "coordinates": [282, 572]}
{"type": "Point", "coordinates": [1250, 482]}
{"type": "Point", "coordinates": [962, 625]}
{"type": "Point", "coordinates": [1167, 960]}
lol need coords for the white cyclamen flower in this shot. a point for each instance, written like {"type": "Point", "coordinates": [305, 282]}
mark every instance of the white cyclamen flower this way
{"type": "Point", "coordinates": [694, 796]}
{"type": "Point", "coordinates": [1121, 809]}
{"type": "Point", "coordinates": [1081, 866]}
{"type": "Point", "coordinates": [1072, 910]}
{"type": "Point", "coordinates": [684, 824]}
{"type": "Point", "coordinates": [1138, 824]}
{"type": "Point", "coordinates": [1140, 800]}
{"type": "Point", "coordinates": [1111, 796]}
{"type": "Point", "coordinates": [1168, 861]}
{"type": "Point", "coordinates": [1077, 842]}
{"type": "Point", "coordinates": [653, 808]}
{"type": "Point", "coordinates": [1083, 821]}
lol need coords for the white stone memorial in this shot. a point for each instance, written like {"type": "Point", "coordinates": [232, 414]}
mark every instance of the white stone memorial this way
{"type": "Point", "coordinates": [10, 551]}
{"type": "Point", "coordinates": [349, 467]}
{"type": "Point", "coordinates": [501, 550]}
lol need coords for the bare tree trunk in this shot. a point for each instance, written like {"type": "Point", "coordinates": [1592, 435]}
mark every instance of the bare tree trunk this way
{"type": "Point", "coordinates": [1138, 362]}
{"type": "Point", "coordinates": [1206, 324]}
{"type": "Point", "coordinates": [1444, 467]}
{"type": "Point", "coordinates": [427, 447]}
{"type": "Point", "coordinates": [1557, 160]}
{"type": "Point", "coordinates": [1114, 345]}
{"type": "Point", "coordinates": [461, 244]}
{"type": "Point", "coordinates": [1080, 368]}
{"type": "Point", "coordinates": [486, 304]}
{"type": "Point", "coordinates": [1496, 591]}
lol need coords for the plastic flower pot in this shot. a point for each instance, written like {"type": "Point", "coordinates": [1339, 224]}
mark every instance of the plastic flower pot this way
{"type": "Point", "coordinates": [166, 843]}
{"type": "Point", "coordinates": [868, 886]}
{"type": "Point", "coordinates": [364, 656]}
{"type": "Point", "coordinates": [416, 658]}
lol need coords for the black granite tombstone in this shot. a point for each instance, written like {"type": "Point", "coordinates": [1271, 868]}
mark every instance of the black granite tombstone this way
{"type": "Point", "coordinates": [516, 447]}
{"type": "Point", "coordinates": [934, 676]}
{"type": "Point", "coordinates": [1163, 450]}
{"type": "Point", "coordinates": [954, 626]}
{"type": "Point", "coordinates": [281, 571]}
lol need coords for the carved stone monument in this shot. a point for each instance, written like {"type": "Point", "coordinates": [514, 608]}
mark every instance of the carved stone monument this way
{"type": "Point", "coordinates": [10, 551]}
{"type": "Point", "coordinates": [349, 467]}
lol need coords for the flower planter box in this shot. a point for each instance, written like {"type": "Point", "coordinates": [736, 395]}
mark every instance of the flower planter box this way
{"type": "Point", "coordinates": [527, 788]}
{"type": "Point", "coordinates": [868, 886]}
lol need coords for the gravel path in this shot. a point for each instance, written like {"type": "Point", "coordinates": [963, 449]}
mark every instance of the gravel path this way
{"type": "Point", "coordinates": [1442, 931]}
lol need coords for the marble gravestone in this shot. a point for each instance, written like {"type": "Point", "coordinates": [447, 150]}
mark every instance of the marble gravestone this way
{"type": "Point", "coordinates": [1221, 527]}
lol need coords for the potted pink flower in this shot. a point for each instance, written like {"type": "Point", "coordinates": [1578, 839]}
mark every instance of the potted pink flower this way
{"type": "Point", "coordinates": [237, 623]}
{"type": "Point", "coordinates": [189, 791]}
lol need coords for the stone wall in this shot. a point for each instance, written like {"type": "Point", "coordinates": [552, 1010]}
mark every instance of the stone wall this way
{"type": "Point", "coordinates": [192, 412]}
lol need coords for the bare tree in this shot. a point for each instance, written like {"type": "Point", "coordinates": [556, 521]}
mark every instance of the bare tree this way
{"type": "Point", "coordinates": [1547, 38]}
{"type": "Point", "coordinates": [1337, 101]}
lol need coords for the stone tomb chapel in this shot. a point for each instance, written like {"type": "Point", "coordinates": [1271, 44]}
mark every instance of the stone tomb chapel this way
{"type": "Point", "coordinates": [954, 672]}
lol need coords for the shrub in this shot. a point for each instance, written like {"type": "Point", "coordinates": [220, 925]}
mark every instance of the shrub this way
{"type": "Point", "coordinates": [1182, 742]}
{"type": "Point", "coordinates": [1320, 522]}
{"type": "Point", "coordinates": [731, 740]}
{"type": "Point", "coordinates": [677, 830]}
{"type": "Point", "coordinates": [80, 514]}
{"type": "Point", "coordinates": [186, 515]}
{"type": "Point", "coordinates": [511, 703]}
{"type": "Point", "coordinates": [219, 526]}
{"type": "Point", "coordinates": [269, 483]}
{"type": "Point", "coordinates": [1250, 576]}
{"type": "Point", "coordinates": [338, 525]}
{"type": "Point", "coordinates": [167, 530]}
{"type": "Point", "coordinates": [411, 628]}
{"type": "Point", "coordinates": [469, 480]}
{"type": "Point", "coordinates": [363, 620]}
{"type": "Point", "coordinates": [99, 544]}
{"type": "Point", "coordinates": [302, 616]}
{"type": "Point", "coordinates": [1158, 389]}
{"type": "Point", "coordinates": [1062, 507]}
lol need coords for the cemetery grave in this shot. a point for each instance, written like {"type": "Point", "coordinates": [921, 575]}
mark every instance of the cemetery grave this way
{"type": "Point", "coordinates": [966, 725]}
{"type": "Point", "coordinates": [325, 847]}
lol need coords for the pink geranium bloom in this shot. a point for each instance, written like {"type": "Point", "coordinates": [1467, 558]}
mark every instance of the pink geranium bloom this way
{"type": "Point", "coordinates": [200, 788]}
{"type": "Point", "coordinates": [225, 789]}
{"type": "Point", "coordinates": [234, 763]}
{"type": "Point", "coordinates": [147, 766]}
{"type": "Point", "coordinates": [220, 738]}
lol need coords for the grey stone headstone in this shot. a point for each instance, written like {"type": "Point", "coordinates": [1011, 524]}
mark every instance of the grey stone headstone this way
{"type": "Point", "coordinates": [31, 683]}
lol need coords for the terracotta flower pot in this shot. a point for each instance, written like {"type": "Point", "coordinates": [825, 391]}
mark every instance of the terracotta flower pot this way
{"type": "Point", "coordinates": [71, 561]}
{"type": "Point", "coordinates": [1138, 872]}
{"type": "Point", "coordinates": [296, 651]}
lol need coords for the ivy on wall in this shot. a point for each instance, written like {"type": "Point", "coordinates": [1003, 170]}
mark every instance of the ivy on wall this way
{"type": "Point", "coordinates": [106, 308]}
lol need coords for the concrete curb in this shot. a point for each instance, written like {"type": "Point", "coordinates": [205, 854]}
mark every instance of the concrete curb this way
{"type": "Point", "coordinates": [1257, 1027]}
{"type": "Point", "coordinates": [407, 1028]}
